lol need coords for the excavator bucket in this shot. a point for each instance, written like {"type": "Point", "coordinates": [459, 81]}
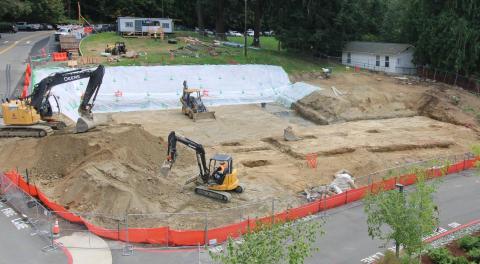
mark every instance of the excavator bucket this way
{"type": "Point", "coordinates": [84, 124]}
{"type": "Point", "coordinates": [166, 167]}
{"type": "Point", "coordinates": [204, 115]}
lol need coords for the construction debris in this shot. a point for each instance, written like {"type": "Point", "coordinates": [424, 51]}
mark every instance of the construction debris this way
{"type": "Point", "coordinates": [336, 91]}
{"type": "Point", "coordinates": [343, 181]}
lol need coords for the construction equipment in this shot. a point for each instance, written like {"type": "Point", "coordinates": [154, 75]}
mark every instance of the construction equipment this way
{"type": "Point", "coordinates": [32, 116]}
{"type": "Point", "coordinates": [193, 106]}
{"type": "Point", "coordinates": [117, 49]}
{"type": "Point", "coordinates": [326, 73]}
{"type": "Point", "coordinates": [214, 181]}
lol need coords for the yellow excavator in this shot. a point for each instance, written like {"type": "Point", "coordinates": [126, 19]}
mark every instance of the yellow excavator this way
{"type": "Point", "coordinates": [33, 116]}
{"type": "Point", "coordinates": [215, 181]}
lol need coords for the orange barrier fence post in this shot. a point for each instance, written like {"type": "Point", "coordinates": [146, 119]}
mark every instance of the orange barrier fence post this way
{"type": "Point", "coordinates": [312, 160]}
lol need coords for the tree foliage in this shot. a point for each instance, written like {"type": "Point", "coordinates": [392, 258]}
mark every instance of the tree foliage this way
{"type": "Point", "coordinates": [409, 217]}
{"type": "Point", "coordinates": [290, 242]}
{"type": "Point", "coordinates": [446, 33]}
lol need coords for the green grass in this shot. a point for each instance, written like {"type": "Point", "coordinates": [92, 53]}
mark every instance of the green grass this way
{"type": "Point", "coordinates": [268, 43]}
{"type": "Point", "coordinates": [157, 53]}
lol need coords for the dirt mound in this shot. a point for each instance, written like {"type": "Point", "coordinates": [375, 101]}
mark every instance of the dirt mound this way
{"type": "Point", "coordinates": [111, 171]}
{"type": "Point", "coordinates": [324, 109]}
{"type": "Point", "coordinates": [370, 97]}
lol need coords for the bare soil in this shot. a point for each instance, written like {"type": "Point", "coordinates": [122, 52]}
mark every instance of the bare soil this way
{"type": "Point", "coordinates": [115, 169]}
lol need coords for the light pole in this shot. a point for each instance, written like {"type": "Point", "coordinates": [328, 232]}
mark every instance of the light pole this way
{"type": "Point", "coordinates": [397, 246]}
{"type": "Point", "coordinates": [245, 31]}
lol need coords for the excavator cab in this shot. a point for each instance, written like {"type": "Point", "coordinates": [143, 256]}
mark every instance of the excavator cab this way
{"type": "Point", "coordinates": [224, 175]}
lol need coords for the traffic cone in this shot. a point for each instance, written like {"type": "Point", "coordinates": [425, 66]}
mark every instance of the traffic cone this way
{"type": "Point", "coordinates": [56, 229]}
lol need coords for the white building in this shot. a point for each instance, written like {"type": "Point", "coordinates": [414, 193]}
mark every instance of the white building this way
{"type": "Point", "coordinates": [143, 26]}
{"type": "Point", "coordinates": [392, 58]}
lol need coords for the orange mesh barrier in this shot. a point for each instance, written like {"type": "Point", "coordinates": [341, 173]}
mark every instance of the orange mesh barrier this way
{"type": "Point", "coordinates": [165, 235]}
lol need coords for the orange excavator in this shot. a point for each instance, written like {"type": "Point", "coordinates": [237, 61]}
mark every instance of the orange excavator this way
{"type": "Point", "coordinates": [215, 181]}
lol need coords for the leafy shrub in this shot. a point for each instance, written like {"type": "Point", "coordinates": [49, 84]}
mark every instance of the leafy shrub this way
{"type": "Point", "coordinates": [474, 254]}
{"type": "Point", "coordinates": [461, 260]}
{"type": "Point", "coordinates": [389, 258]}
{"type": "Point", "coordinates": [441, 256]}
{"type": "Point", "coordinates": [468, 242]}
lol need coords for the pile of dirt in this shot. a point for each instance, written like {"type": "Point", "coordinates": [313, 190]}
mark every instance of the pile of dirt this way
{"type": "Point", "coordinates": [111, 170]}
{"type": "Point", "coordinates": [369, 96]}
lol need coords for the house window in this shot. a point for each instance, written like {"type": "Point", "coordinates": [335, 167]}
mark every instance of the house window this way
{"type": "Point", "coordinates": [377, 61]}
{"type": "Point", "coordinates": [128, 24]}
{"type": "Point", "coordinates": [349, 57]}
{"type": "Point", "coordinates": [387, 61]}
{"type": "Point", "coordinates": [150, 23]}
{"type": "Point", "coordinates": [398, 61]}
{"type": "Point", "coordinates": [165, 25]}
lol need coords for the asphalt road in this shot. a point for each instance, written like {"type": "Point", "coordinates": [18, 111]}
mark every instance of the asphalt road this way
{"type": "Point", "coordinates": [345, 240]}
{"type": "Point", "coordinates": [14, 51]}
{"type": "Point", "coordinates": [18, 245]}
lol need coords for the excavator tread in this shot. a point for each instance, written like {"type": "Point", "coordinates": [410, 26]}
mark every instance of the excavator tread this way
{"type": "Point", "coordinates": [25, 131]}
{"type": "Point", "coordinates": [217, 195]}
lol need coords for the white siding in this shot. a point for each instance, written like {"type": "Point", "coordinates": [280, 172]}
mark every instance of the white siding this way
{"type": "Point", "coordinates": [123, 26]}
{"type": "Point", "coordinates": [368, 61]}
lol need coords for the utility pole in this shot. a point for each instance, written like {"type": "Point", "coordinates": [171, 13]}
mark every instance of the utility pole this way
{"type": "Point", "coordinates": [163, 11]}
{"type": "Point", "coordinates": [79, 13]}
{"type": "Point", "coordinates": [245, 31]}
{"type": "Point", "coordinates": [397, 246]}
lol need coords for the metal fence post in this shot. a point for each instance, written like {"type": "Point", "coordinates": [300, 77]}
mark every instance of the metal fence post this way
{"type": "Point", "coordinates": [127, 250]}
{"type": "Point", "coordinates": [273, 210]}
{"type": "Point", "coordinates": [206, 229]}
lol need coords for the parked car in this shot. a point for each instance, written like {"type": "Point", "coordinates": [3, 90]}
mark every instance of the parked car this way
{"type": "Point", "coordinates": [209, 32]}
{"type": "Point", "coordinates": [268, 33]}
{"type": "Point", "coordinates": [63, 31]}
{"type": "Point", "coordinates": [34, 27]}
{"type": "Point", "coordinates": [250, 33]}
{"type": "Point", "coordinates": [21, 25]}
{"type": "Point", "coordinates": [6, 27]}
{"type": "Point", "coordinates": [234, 33]}
{"type": "Point", "coordinates": [46, 27]}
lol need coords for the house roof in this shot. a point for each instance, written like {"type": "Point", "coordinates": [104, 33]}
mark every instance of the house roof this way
{"type": "Point", "coordinates": [376, 47]}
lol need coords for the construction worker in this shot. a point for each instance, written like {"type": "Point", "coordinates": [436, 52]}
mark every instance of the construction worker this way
{"type": "Point", "coordinates": [220, 173]}
{"type": "Point", "coordinates": [186, 96]}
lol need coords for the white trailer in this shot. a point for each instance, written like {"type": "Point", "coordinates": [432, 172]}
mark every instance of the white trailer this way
{"type": "Point", "coordinates": [143, 26]}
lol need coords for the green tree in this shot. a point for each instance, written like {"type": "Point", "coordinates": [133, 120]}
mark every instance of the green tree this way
{"type": "Point", "coordinates": [289, 242]}
{"type": "Point", "coordinates": [409, 217]}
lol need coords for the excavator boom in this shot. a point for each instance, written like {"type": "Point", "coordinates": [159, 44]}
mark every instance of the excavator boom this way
{"type": "Point", "coordinates": [32, 116]}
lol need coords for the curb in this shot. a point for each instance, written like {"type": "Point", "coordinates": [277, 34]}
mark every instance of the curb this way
{"type": "Point", "coordinates": [474, 222]}
{"type": "Point", "coordinates": [65, 251]}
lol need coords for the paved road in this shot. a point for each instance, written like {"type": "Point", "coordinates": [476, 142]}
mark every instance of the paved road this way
{"type": "Point", "coordinates": [14, 50]}
{"type": "Point", "coordinates": [346, 239]}
{"type": "Point", "coordinates": [17, 245]}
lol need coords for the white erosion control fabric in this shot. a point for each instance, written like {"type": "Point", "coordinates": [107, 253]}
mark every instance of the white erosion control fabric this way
{"type": "Point", "coordinates": [136, 88]}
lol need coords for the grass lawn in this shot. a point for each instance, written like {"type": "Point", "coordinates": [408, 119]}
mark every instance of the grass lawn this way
{"type": "Point", "coordinates": [157, 53]}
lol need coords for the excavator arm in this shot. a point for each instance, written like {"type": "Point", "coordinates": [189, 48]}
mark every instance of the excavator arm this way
{"type": "Point", "coordinates": [41, 92]}
{"type": "Point", "coordinates": [199, 152]}
{"type": "Point", "coordinates": [39, 99]}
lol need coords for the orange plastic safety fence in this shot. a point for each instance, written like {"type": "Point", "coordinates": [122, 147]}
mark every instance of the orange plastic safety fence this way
{"type": "Point", "coordinates": [165, 235]}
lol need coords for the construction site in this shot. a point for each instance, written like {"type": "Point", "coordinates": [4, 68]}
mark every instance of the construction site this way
{"type": "Point", "coordinates": [358, 122]}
